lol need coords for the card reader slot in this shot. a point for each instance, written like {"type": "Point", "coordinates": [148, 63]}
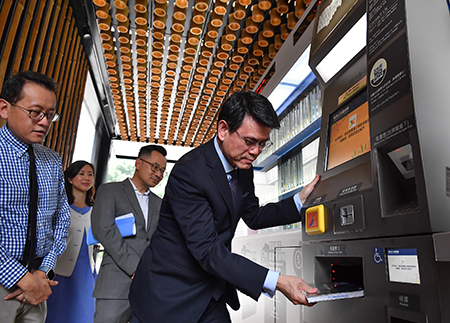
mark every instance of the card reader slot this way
{"type": "Point", "coordinates": [396, 178]}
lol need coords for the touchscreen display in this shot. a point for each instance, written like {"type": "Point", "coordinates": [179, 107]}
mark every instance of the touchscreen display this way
{"type": "Point", "coordinates": [349, 132]}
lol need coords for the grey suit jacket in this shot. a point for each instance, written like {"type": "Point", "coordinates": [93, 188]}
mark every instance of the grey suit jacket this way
{"type": "Point", "coordinates": [121, 255]}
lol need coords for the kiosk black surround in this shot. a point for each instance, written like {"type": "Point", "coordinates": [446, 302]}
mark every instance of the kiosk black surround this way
{"type": "Point", "coordinates": [372, 178]}
{"type": "Point", "coordinates": [421, 296]}
{"type": "Point", "coordinates": [377, 216]}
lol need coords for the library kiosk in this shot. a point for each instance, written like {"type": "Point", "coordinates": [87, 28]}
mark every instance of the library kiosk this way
{"type": "Point", "coordinates": [380, 216]}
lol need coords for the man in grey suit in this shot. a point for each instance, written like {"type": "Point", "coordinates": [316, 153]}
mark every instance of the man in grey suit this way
{"type": "Point", "coordinates": [122, 255]}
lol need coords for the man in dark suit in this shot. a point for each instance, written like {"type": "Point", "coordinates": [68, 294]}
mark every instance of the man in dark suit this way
{"type": "Point", "coordinates": [122, 255]}
{"type": "Point", "coordinates": [188, 273]}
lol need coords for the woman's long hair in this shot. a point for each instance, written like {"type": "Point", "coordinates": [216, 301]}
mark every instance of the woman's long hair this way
{"type": "Point", "coordinates": [70, 173]}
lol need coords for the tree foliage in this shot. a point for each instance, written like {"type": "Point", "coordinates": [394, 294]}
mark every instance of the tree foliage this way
{"type": "Point", "coordinates": [120, 170]}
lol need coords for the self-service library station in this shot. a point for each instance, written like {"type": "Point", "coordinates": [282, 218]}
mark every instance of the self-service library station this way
{"type": "Point", "coordinates": [376, 227]}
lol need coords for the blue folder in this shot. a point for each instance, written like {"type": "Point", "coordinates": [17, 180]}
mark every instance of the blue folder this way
{"type": "Point", "coordinates": [126, 224]}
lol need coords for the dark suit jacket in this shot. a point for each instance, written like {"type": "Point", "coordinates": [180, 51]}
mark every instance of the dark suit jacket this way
{"type": "Point", "coordinates": [189, 256]}
{"type": "Point", "coordinates": [121, 255]}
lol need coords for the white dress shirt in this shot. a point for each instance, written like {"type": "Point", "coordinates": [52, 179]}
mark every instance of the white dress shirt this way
{"type": "Point", "coordinates": [143, 201]}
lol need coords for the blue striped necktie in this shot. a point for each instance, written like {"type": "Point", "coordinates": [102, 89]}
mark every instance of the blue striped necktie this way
{"type": "Point", "coordinates": [233, 184]}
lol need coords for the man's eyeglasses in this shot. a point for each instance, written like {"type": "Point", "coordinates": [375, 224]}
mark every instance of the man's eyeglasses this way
{"type": "Point", "coordinates": [38, 115]}
{"type": "Point", "coordinates": [248, 143]}
{"type": "Point", "coordinates": [155, 168]}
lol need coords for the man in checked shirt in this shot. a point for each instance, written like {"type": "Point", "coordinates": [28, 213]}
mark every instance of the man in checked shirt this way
{"type": "Point", "coordinates": [28, 103]}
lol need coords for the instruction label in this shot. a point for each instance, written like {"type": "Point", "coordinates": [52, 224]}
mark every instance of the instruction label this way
{"type": "Point", "coordinates": [403, 266]}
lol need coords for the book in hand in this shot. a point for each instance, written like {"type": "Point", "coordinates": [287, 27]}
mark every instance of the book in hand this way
{"type": "Point", "coordinates": [126, 224]}
{"type": "Point", "coordinates": [334, 291]}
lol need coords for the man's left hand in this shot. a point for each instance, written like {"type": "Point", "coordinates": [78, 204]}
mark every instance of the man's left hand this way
{"type": "Point", "coordinates": [303, 195]}
{"type": "Point", "coordinates": [19, 295]}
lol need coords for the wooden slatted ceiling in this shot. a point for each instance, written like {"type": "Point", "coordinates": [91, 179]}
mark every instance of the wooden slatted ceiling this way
{"type": "Point", "coordinates": [172, 63]}
{"type": "Point", "coordinates": [41, 35]}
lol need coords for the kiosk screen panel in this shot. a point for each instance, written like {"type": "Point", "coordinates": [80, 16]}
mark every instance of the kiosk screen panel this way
{"type": "Point", "coordinates": [349, 132]}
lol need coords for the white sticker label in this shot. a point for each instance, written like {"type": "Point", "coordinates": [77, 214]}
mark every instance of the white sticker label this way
{"type": "Point", "coordinates": [403, 266]}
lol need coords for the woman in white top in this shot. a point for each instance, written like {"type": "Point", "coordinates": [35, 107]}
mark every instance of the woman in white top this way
{"type": "Point", "coordinates": [71, 300]}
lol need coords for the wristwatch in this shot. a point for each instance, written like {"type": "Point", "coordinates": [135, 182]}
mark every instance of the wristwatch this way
{"type": "Point", "coordinates": [48, 272]}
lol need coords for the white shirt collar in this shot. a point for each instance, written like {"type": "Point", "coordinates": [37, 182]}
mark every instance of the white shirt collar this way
{"type": "Point", "coordinates": [136, 190]}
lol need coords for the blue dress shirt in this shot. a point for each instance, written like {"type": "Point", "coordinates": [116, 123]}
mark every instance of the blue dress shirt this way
{"type": "Point", "coordinates": [53, 216]}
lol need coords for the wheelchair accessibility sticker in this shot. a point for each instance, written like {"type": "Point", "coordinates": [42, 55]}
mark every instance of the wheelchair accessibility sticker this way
{"type": "Point", "coordinates": [378, 255]}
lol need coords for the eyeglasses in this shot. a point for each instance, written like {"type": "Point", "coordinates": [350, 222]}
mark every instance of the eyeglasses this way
{"type": "Point", "coordinates": [155, 168]}
{"type": "Point", "coordinates": [39, 115]}
{"type": "Point", "coordinates": [248, 143]}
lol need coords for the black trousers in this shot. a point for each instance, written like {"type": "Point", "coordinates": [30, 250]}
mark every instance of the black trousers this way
{"type": "Point", "coordinates": [215, 312]}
